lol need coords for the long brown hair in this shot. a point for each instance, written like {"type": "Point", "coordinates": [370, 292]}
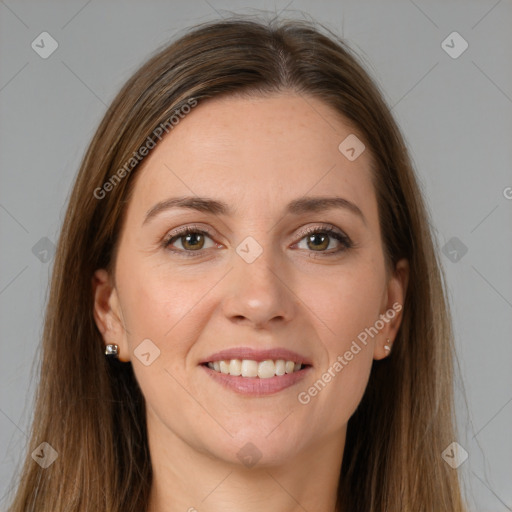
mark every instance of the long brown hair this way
{"type": "Point", "coordinates": [92, 411]}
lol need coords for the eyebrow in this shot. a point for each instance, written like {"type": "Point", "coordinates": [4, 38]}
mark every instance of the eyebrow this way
{"type": "Point", "coordinates": [216, 207]}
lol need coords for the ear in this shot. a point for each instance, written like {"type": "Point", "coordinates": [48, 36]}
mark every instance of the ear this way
{"type": "Point", "coordinates": [107, 313]}
{"type": "Point", "coordinates": [392, 309]}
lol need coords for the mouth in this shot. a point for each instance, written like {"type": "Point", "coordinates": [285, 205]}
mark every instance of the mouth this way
{"type": "Point", "coordinates": [256, 372]}
{"type": "Point", "coordinates": [256, 379]}
{"type": "Point", "coordinates": [250, 368]}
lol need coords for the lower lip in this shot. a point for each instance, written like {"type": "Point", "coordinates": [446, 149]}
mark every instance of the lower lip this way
{"type": "Point", "coordinates": [254, 386]}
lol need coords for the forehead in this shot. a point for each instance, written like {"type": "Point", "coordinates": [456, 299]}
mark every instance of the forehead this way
{"type": "Point", "coordinates": [257, 153]}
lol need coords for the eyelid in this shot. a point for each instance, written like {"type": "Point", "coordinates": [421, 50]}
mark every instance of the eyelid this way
{"type": "Point", "coordinates": [210, 231]}
{"type": "Point", "coordinates": [322, 225]}
{"type": "Point", "coordinates": [192, 227]}
{"type": "Point", "coordinates": [333, 232]}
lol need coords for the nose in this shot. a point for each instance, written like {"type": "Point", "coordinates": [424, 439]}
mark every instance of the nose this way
{"type": "Point", "coordinates": [259, 294]}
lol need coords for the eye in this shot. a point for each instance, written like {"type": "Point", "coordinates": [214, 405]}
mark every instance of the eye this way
{"type": "Point", "coordinates": [192, 240]}
{"type": "Point", "coordinates": [318, 239]}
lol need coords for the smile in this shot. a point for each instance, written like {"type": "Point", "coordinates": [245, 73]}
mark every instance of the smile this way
{"type": "Point", "coordinates": [250, 368]}
{"type": "Point", "coordinates": [255, 378]}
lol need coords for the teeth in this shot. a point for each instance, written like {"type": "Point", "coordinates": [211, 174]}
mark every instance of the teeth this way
{"type": "Point", "coordinates": [235, 367]}
{"type": "Point", "coordinates": [289, 367]}
{"type": "Point", "coordinates": [280, 367]}
{"type": "Point", "coordinates": [249, 368]}
{"type": "Point", "coordinates": [266, 369]}
{"type": "Point", "coordinates": [224, 366]}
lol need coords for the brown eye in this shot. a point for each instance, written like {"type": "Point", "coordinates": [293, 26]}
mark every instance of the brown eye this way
{"type": "Point", "coordinates": [319, 239]}
{"type": "Point", "coordinates": [194, 241]}
{"type": "Point", "coordinates": [191, 240]}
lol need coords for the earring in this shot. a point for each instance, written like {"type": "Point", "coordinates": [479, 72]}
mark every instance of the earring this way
{"type": "Point", "coordinates": [111, 350]}
{"type": "Point", "coordinates": [387, 347]}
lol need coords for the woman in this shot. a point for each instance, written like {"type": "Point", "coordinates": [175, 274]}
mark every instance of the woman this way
{"type": "Point", "coordinates": [247, 243]}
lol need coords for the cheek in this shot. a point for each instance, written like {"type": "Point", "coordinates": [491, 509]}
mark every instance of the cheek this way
{"type": "Point", "coordinates": [167, 311]}
{"type": "Point", "coordinates": [348, 303]}
{"type": "Point", "coordinates": [157, 304]}
{"type": "Point", "coordinates": [172, 311]}
{"type": "Point", "coordinates": [347, 311]}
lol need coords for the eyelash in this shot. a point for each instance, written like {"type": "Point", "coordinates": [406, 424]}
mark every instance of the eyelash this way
{"type": "Point", "coordinates": [327, 229]}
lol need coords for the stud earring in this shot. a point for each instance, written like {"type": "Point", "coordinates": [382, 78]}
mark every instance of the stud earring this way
{"type": "Point", "coordinates": [387, 347]}
{"type": "Point", "coordinates": [111, 350]}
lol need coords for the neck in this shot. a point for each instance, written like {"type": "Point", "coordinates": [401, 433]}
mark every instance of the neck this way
{"type": "Point", "coordinates": [190, 479]}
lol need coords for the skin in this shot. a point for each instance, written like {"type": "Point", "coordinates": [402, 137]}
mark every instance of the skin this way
{"type": "Point", "coordinates": [256, 154]}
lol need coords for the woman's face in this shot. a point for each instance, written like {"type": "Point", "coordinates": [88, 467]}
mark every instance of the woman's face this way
{"type": "Point", "coordinates": [255, 280]}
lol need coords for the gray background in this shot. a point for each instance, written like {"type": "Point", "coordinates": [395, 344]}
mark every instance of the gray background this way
{"type": "Point", "coordinates": [455, 114]}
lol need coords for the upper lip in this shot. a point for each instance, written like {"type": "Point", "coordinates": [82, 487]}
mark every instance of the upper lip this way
{"type": "Point", "coordinates": [257, 355]}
